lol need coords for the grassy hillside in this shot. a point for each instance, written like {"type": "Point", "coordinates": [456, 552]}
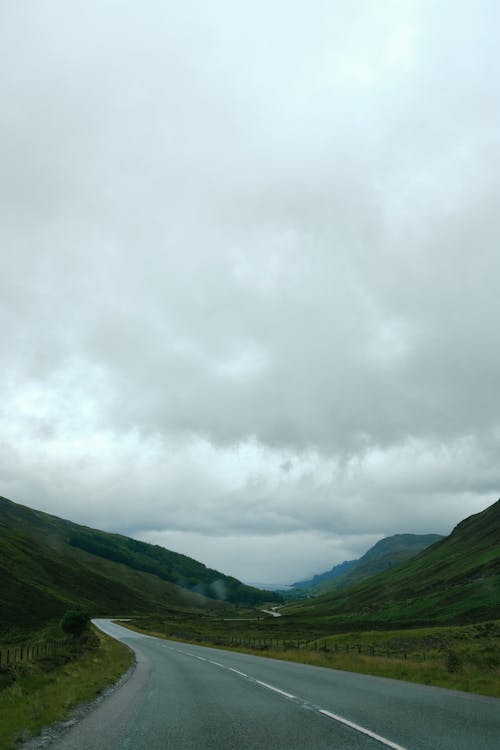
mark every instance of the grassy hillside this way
{"type": "Point", "coordinates": [48, 564]}
{"type": "Point", "coordinates": [456, 580]}
{"type": "Point", "coordinates": [328, 575]}
{"type": "Point", "coordinates": [385, 554]}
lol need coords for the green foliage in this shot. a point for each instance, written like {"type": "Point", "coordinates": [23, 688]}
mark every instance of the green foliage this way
{"type": "Point", "coordinates": [386, 554]}
{"type": "Point", "coordinates": [167, 565]}
{"type": "Point", "coordinates": [456, 580]}
{"type": "Point", "coordinates": [48, 565]}
{"type": "Point", "coordinates": [75, 622]}
{"type": "Point", "coordinates": [41, 692]}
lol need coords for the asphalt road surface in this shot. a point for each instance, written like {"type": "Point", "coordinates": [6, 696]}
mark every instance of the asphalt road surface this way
{"type": "Point", "coordinates": [188, 697]}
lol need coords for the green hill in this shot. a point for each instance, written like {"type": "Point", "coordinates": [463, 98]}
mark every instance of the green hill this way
{"type": "Point", "coordinates": [328, 575]}
{"type": "Point", "coordinates": [48, 564]}
{"type": "Point", "coordinates": [456, 580]}
{"type": "Point", "coordinates": [384, 555]}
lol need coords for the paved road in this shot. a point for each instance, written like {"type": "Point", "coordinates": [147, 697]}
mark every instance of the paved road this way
{"type": "Point", "coordinates": [271, 612]}
{"type": "Point", "coordinates": [188, 697]}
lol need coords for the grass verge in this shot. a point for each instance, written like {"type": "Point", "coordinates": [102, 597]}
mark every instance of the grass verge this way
{"type": "Point", "coordinates": [45, 691]}
{"type": "Point", "coordinates": [424, 673]}
{"type": "Point", "coordinates": [459, 658]}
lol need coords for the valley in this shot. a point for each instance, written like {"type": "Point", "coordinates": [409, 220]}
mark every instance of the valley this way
{"type": "Point", "coordinates": [431, 618]}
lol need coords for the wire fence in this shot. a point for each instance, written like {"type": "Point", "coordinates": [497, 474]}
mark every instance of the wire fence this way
{"type": "Point", "coordinates": [287, 644]}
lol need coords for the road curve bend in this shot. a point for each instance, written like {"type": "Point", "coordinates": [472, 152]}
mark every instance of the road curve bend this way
{"type": "Point", "coordinates": [188, 697]}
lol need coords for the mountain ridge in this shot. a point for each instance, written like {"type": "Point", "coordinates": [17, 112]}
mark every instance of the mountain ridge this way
{"type": "Point", "coordinates": [456, 580]}
{"type": "Point", "coordinates": [48, 564]}
{"type": "Point", "coordinates": [386, 553]}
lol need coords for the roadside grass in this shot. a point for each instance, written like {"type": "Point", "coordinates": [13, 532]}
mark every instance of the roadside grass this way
{"type": "Point", "coordinates": [433, 672]}
{"type": "Point", "coordinates": [38, 693]}
{"type": "Point", "coordinates": [454, 657]}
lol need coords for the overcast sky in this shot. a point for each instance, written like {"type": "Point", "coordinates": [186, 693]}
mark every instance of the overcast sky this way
{"type": "Point", "coordinates": [250, 271]}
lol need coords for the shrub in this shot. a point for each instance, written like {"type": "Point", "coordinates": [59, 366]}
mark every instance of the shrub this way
{"type": "Point", "coordinates": [75, 622]}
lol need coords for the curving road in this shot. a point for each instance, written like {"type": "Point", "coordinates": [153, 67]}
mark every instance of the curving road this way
{"type": "Point", "coordinates": [188, 697]}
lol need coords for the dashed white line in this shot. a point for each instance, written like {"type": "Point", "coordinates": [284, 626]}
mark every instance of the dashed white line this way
{"type": "Point", "coordinates": [324, 712]}
{"type": "Point", "coordinates": [276, 690]}
{"type": "Point", "coordinates": [358, 728]}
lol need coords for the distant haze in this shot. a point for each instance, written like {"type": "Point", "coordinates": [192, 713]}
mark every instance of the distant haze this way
{"type": "Point", "coordinates": [250, 272]}
{"type": "Point", "coordinates": [269, 586]}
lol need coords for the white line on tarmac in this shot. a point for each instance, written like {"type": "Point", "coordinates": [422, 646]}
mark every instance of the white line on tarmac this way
{"type": "Point", "coordinates": [231, 669]}
{"type": "Point", "coordinates": [324, 712]}
{"type": "Point", "coordinates": [276, 690]}
{"type": "Point", "coordinates": [358, 728]}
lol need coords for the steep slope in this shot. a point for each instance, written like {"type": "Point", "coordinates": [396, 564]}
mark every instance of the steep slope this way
{"type": "Point", "coordinates": [384, 555]}
{"type": "Point", "coordinates": [328, 575]}
{"type": "Point", "coordinates": [455, 580]}
{"type": "Point", "coordinates": [48, 564]}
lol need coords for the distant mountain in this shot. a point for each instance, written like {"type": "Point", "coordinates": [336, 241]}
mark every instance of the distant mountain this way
{"type": "Point", "coordinates": [269, 586]}
{"type": "Point", "coordinates": [385, 554]}
{"type": "Point", "coordinates": [48, 564]}
{"type": "Point", "coordinates": [456, 580]}
{"type": "Point", "coordinates": [329, 575]}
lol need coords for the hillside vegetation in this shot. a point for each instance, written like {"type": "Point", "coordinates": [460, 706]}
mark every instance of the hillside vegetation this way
{"type": "Point", "coordinates": [457, 580]}
{"type": "Point", "coordinates": [384, 555]}
{"type": "Point", "coordinates": [48, 564]}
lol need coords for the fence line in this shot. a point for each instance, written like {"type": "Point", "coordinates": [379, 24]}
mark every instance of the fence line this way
{"type": "Point", "coordinates": [286, 644]}
{"type": "Point", "coordinates": [18, 654]}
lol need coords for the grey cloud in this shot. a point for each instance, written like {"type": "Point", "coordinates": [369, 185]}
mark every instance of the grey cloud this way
{"type": "Point", "coordinates": [264, 226]}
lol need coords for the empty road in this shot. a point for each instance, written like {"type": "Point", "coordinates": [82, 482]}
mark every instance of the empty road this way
{"type": "Point", "coordinates": [188, 697]}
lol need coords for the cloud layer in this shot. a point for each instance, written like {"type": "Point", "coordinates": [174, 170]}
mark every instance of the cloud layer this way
{"type": "Point", "coordinates": [249, 283]}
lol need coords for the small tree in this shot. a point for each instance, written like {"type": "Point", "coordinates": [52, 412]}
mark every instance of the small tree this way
{"type": "Point", "coordinates": [75, 622]}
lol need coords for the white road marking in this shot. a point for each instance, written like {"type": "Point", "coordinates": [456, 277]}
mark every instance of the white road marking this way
{"type": "Point", "coordinates": [231, 669]}
{"type": "Point", "coordinates": [324, 712]}
{"type": "Point", "coordinates": [358, 728]}
{"type": "Point", "coordinates": [276, 690]}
